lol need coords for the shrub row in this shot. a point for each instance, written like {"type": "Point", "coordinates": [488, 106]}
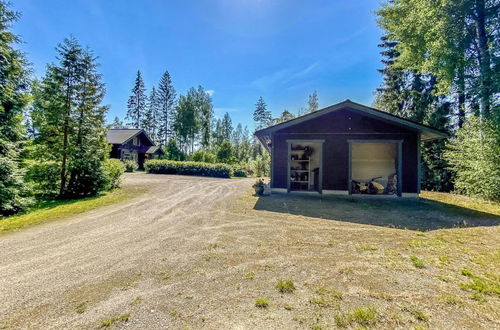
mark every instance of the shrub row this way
{"type": "Point", "coordinates": [188, 168]}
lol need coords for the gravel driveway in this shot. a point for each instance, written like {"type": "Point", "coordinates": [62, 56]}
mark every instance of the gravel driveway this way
{"type": "Point", "coordinates": [101, 259]}
{"type": "Point", "coordinates": [195, 253]}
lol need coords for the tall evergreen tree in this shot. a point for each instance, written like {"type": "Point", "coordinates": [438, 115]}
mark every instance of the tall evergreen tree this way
{"type": "Point", "coordinates": [261, 115]}
{"type": "Point", "coordinates": [312, 103]}
{"type": "Point", "coordinates": [227, 127]}
{"type": "Point", "coordinates": [217, 135]}
{"type": "Point", "coordinates": [151, 116]}
{"type": "Point", "coordinates": [136, 106]}
{"type": "Point", "coordinates": [205, 113]}
{"type": "Point", "coordinates": [89, 137]}
{"type": "Point", "coordinates": [13, 99]}
{"type": "Point", "coordinates": [167, 101]}
{"type": "Point", "coordinates": [69, 119]}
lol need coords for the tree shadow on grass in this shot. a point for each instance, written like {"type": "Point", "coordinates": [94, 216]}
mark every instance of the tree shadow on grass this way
{"type": "Point", "coordinates": [415, 214]}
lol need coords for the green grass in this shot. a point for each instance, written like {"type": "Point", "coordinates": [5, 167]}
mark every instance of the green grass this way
{"type": "Point", "coordinates": [261, 302]}
{"type": "Point", "coordinates": [417, 262]}
{"type": "Point", "coordinates": [481, 285]}
{"type": "Point", "coordinates": [363, 316]}
{"type": "Point", "coordinates": [463, 201]}
{"type": "Point", "coordinates": [45, 211]}
{"type": "Point", "coordinates": [106, 323]}
{"type": "Point", "coordinates": [285, 286]}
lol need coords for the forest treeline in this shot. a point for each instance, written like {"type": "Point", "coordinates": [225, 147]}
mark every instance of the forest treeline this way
{"type": "Point", "coordinates": [187, 128]}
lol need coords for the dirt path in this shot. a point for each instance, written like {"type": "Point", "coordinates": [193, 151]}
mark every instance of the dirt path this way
{"type": "Point", "coordinates": [197, 252]}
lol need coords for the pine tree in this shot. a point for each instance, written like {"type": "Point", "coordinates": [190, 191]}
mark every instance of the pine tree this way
{"type": "Point", "coordinates": [150, 121]}
{"type": "Point", "coordinates": [312, 103]}
{"type": "Point", "coordinates": [13, 99]}
{"type": "Point", "coordinates": [261, 115]}
{"type": "Point", "coordinates": [136, 106]}
{"type": "Point", "coordinates": [167, 102]}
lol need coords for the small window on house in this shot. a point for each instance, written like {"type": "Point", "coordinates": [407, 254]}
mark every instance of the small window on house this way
{"type": "Point", "coordinates": [136, 141]}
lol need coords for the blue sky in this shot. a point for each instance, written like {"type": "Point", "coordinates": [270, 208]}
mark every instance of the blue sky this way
{"type": "Point", "coordinates": [281, 50]}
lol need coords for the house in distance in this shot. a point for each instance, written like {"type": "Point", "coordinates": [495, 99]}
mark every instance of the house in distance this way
{"type": "Point", "coordinates": [347, 148]}
{"type": "Point", "coordinates": [134, 144]}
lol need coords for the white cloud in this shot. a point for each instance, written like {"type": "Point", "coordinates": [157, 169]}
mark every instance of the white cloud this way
{"type": "Point", "coordinates": [210, 92]}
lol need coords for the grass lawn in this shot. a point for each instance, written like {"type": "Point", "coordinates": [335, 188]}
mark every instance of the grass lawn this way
{"type": "Point", "coordinates": [50, 210]}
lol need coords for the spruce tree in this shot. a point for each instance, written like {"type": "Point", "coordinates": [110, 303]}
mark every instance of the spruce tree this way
{"type": "Point", "coordinates": [261, 115]}
{"type": "Point", "coordinates": [136, 106]}
{"type": "Point", "coordinates": [70, 121]}
{"type": "Point", "coordinates": [227, 127]}
{"type": "Point", "coordinates": [217, 135]}
{"type": "Point", "coordinates": [150, 121]}
{"type": "Point", "coordinates": [13, 99]}
{"type": "Point", "coordinates": [312, 103]}
{"type": "Point", "coordinates": [167, 102]}
{"type": "Point", "coordinates": [205, 113]}
{"type": "Point", "coordinates": [86, 164]}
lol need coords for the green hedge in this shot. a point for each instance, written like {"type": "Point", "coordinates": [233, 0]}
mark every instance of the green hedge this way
{"type": "Point", "coordinates": [188, 168]}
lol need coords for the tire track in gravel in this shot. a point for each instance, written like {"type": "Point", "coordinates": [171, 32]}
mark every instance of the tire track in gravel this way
{"type": "Point", "coordinates": [40, 264]}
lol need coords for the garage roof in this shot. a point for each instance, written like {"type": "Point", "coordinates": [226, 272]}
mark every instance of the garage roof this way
{"type": "Point", "coordinates": [428, 133]}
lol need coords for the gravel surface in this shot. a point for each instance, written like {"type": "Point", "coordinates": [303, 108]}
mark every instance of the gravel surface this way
{"type": "Point", "coordinates": [195, 253]}
{"type": "Point", "coordinates": [103, 259]}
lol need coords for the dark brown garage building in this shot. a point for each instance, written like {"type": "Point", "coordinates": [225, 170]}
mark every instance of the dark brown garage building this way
{"type": "Point", "coordinates": [347, 148]}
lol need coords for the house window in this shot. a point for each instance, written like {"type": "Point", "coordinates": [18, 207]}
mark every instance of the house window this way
{"type": "Point", "coordinates": [136, 141]}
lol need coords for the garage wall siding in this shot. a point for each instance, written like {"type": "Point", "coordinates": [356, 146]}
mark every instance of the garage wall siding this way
{"type": "Point", "coordinates": [336, 128]}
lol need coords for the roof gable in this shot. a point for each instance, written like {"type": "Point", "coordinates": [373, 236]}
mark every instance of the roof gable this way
{"type": "Point", "coordinates": [428, 133]}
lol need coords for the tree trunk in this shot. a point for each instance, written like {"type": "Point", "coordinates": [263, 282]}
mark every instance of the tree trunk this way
{"type": "Point", "coordinates": [79, 138]}
{"type": "Point", "coordinates": [483, 58]}
{"type": "Point", "coordinates": [461, 98]}
{"type": "Point", "coordinates": [65, 137]}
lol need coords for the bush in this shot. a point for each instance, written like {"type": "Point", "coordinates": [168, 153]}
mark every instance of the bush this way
{"type": "Point", "coordinates": [44, 176]}
{"type": "Point", "coordinates": [113, 170]}
{"type": "Point", "coordinates": [188, 168]}
{"type": "Point", "coordinates": [203, 156]}
{"type": "Point", "coordinates": [240, 171]}
{"type": "Point", "coordinates": [173, 152]}
{"type": "Point", "coordinates": [225, 152]}
{"type": "Point", "coordinates": [130, 165]}
{"type": "Point", "coordinates": [474, 155]}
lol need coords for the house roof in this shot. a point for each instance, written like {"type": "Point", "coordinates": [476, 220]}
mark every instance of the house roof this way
{"type": "Point", "coordinates": [153, 149]}
{"type": "Point", "coordinates": [122, 135]}
{"type": "Point", "coordinates": [428, 133]}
